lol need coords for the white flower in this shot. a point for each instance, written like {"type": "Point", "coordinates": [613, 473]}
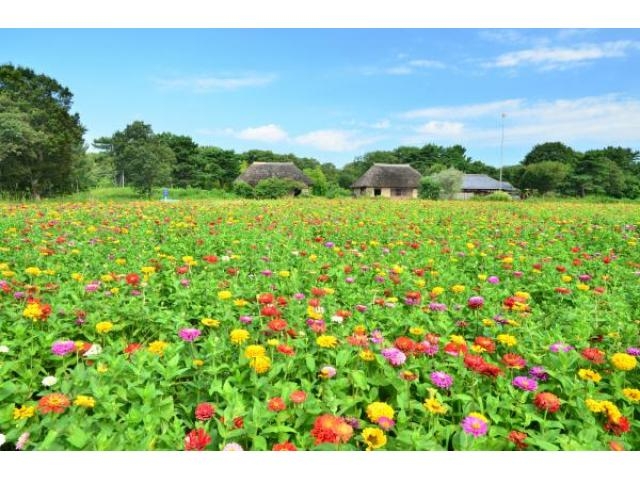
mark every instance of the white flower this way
{"type": "Point", "coordinates": [225, 258]}
{"type": "Point", "coordinates": [337, 319]}
{"type": "Point", "coordinates": [4, 349]}
{"type": "Point", "coordinates": [49, 381]}
{"type": "Point", "coordinates": [2, 439]}
{"type": "Point", "coordinates": [95, 349]}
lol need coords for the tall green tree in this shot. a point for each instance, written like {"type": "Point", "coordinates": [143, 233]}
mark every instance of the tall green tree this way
{"type": "Point", "coordinates": [185, 169]}
{"type": "Point", "coordinates": [150, 165]}
{"type": "Point", "coordinates": [551, 152]}
{"type": "Point", "coordinates": [41, 137]}
{"type": "Point", "coordinates": [544, 176]}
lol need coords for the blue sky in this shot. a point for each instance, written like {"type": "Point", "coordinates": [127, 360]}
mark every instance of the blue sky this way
{"type": "Point", "coordinates": [334, 94]}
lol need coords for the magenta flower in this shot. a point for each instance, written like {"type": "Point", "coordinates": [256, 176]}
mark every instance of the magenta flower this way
{"type": "Point", "coordinates": [376, 336]}
{"type": "Point", "coordinates": [63, 347]}
{"type": "Point", "coordinates": [299, 296]}
{"type": "Point", "coordinates": [525, 383]}
{"type": "Point", "coordinates": [475, 303]}
{"type": "Point", "coordinates": [441, 379]}
{"type": "Point", "coordinates": [474, 426]}
{"type": "Point", "coordinates": [189, 334]}
{"type": "Point", "coordinates": [437, 307]}
{"type": "Point", "coordinates": [493, 280]}
{"type": "Point", "coordinates": [386, 423]}
{"type": "Point", "coordinates": [539, 373]}
{"type": "Point", "coordinates": [560, 347]}
{"type": "Point", "coordinates": [429, 348]}
{"type": "Point", "coordinates": [246, 319]}
{"type": "Point", "coordinates": [394, 356]}
{"type": "Point", "coordinates": [635, 351]}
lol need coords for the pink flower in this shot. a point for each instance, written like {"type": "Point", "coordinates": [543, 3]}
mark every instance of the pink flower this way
{"type": "Point", "coordinates": [189, 334]}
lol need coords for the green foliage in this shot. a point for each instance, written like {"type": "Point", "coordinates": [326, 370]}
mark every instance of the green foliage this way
{"type": "Point", "coordinates": [545, 176]}
{"type": "Point", "coordinates": [243, 189]}
{"type": "Point", "coordinates": [335, 191]}
{"type": "Point", "coordinates": [551, 152]}
{"type": "Point", "coordinates": [277, 188]}
{"type": "Point", "coordinates": [320, 184]}
{"type": "Point", "coordinates": [450, 182]}
{"type": "Point", "coordinates": [429, 188]}
{"type": "Point", "coordinates": [149, 164]}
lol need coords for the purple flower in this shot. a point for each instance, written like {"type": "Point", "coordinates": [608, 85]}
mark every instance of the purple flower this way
{"type": "Point", "coordinates": [354, 422]}
{"type": "Point", "coordinates": [441, 379]}
{"type": "Point", "coordinates": [63, 347]}
{"type": "Point", "coordinates": [299, 296]}
{"type": "Point", "coordinates": [493, 279]}
{"type": "Point", "coordinates": [560, 347]}
{"type": "Point", "coordinates": [19, 295]}
{"type": "Point", "coordinates": [475, 303]}
{"type": "Point", "coordinates": [539, 373]}
{"type": "Point", "coordinates": [474, 426]}
{"type": "Point", "coordinates": [246, 319]}
{"type": "Point", "coordinates": [394, 356]}
{"type": "Point", "coordinates": [635, 351]}
{"type": "Point", "coordinates": [189, 334]}
{"type": "Point", "coordinates": [437, 307]}
{"type": "Point", "coordinates": [376, 336]}
{"type": "Point", "coordinates": [349, 279]}
{"type": "Point", "coordinates": [266, 273]}
{"type": "Point", "coordinates": [378, 279]}
{"type": "Point", "coordinates": [136, 293]}
{"type": "Point", "coordinates": [525, 383]}
{"type": "Point", "coordinates": [386, 423]}
{"type": "Point", "coordinates": [584, 277]}
{"type": "Point", "coordinates": [329, 244]}
{"type": "Point", "coordinates": [429, 348]}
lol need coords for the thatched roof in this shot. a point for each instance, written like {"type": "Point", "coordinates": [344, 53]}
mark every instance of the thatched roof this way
{"type": "Point", "coordinates": [262, 170]}
{"type": "Point", "coordinates": [386, 175]}
{"type": "Point", "coordinates": [479, 181]}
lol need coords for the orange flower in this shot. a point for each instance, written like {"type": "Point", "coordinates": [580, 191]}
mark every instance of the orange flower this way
{"type": "Point", "coordinates": [276, 404]}
{"type": "Point", "coordinates": [54, 402]}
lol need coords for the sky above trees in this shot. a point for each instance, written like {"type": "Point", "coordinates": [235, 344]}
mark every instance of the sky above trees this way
{"type": "Point", "coordinates": [334, 94]}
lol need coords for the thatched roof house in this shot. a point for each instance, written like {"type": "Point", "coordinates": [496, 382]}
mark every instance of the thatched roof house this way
{"type": "Point", "coordinates": [481, 184]}
{"type": "Point", "coordinates": [388, 180]}
{"type": "Point", "coordinates": [262, 170]}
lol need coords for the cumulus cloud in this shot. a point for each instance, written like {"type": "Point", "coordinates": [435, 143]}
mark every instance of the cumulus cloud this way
{"type": "Point", "coordinates": [333, 140]}
{"type": "Point", "coordinates": [464, 111]}
{"type": "Point", "coordinates": [266, 133]}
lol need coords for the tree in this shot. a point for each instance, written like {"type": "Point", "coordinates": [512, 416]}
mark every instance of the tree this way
{"type": "Point", "coordinates": [217, 167]}
{"type": "Point", "coordinates": [185, 169]}
{"type": "Point", "coordinates": [40, 136]}
{"type": "Point", "coordinates": [450, 182]}
{"type": "Point", "coordinates": [551, 152]}
{"type": "Point", "coordinates": [320, 184]}
{"type": "Point", "coordinates": [150, 165]}
{"type": "Point", "coordinates": [544, 176]}
{"type": "Point", "coordinates": [429, 188]}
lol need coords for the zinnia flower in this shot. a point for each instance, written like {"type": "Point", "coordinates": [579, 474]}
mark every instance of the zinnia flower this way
{"type": "Point", "coordinates": [63, 347]}
{"type": "Point", "coordinates": [433, 405]}
{"type": "Point", "coordinates": [327, 341]}
{"type": "Point", "coordinates": [475, 303]}
{"type": "Point", "coordinates": [547, 401]}
{"type": "Point", "coordinates": [49, 381]}
{"type": "Point", "coordinates": [189, 334]}
{"type": "Point", "coordinates": [394, 356]}
{"type": "Point", "coordinates": [239, 336]}
{"type": "Point", "coordinates": [624, 361]}
{"type": "Point", "coordinates": [54, 402]}
{"type": "Point", "coordinates": [298, 396]}
{"type": "Point", "coordinates": [276, 404]}
{"type": "Point", "coordinates": [157, 347]}
{"type": "Point", "coordinates": [233, 447]}
{"type": "Point", "coordinates": [104, 327]}
{"type": "Point", "coordinates": [197, 439]}
{"type": "Point", "coordinates": [518, 438]}
{"type": "Point", "coordinates": [594, 355]}
{"type": "Point", "coordinates": [284, 447]}
{"type": "Point", "coordinates": [376, 410]}
{"type": "Point", "coordinates": [474, 426]}
{"type": "Point", "coordinates": [632, 394]}
{"type": "Point", "coordinates": [23, 412]}
{"type": "Point", "coordinates": [586, 374]}
{"type": "Point", "coordinates": [260, 364]}
{"type": "Point", "coordinates": [441, 379]}
{"type": "Point", "coordinates": [84, 401]}
{"type": "Point", "coordinates": [374, 438]}
{"type": "Point", "coordinates": [525, 383]}
{"type": "Point", "coordinates": [328, 428]}
{"type": "Point", "coordinates": [253, 351]}
{"type": "Point", "coordinates": [327, 372]}
{"type": "Point", "coordinates": [204, 411]}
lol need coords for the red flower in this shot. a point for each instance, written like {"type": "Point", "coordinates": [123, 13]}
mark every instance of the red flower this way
{"type": "Point", "coordinates": [594, 355]}
{"type": "Point", "coordinates": [276, 404]}
{"type": "Point", "coordinates": [204, 411]}
{"type": "Point", "coordinates": [286, 349]}
{"type": "Point", "coordinates": [181, 270]}
{"type": "Point", "coordinates": [405, 344]}
{"type": "Point", "coordinates": [547, 401]}
{"type": "Point", "coordinates": [485, 343]}
{"type": "Point", "coordinates": [54, 402]}
{"type": "Point", "coordinates": [210, 258]}
{"type": "Point", "coordinates": [132, 279]}
{"type": "Point", "coordinates": [455, 349]}
{"type": "Point", "coordinates": [491, 370]}
{"type": "Point", "coordinates": [318, 292]}
{"type": "Point", "coordinates": [518, 438]}
{"type": "Point", "coordinates": [132, 348]}
{"type": "Point", "coordinates": [474, 362]}
{"type": "Point", "coordinates": [197, 439]}
{"type": "Point", "coordinates": [269, 311]}
{"type": "Point", "coordinates": [513, 360]}
{"type": "Point", "coordinates": [265, 298]}
{"type": "Point", "coordinates": [331, 429]}
{"type": "Point", "coordinates": [284, 447]}
{"type": "Point", "coordinates": [298, 396]}
{"type": "Point", "coordinates": [238, 422]}
{"type": "Point", "coordinates": [277, 324]}
{"type": "Point", "coordinates": [622, 426]}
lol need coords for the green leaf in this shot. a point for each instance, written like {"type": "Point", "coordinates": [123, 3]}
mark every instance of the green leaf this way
{"type": "Point", "coordinates": [77, 437]}
{"type": "Point", "coordinates": [48, 440]}
{"type": "Point", "coordinates": [259, 443]}
{"type": "Point", "coordinates": [311, 363]}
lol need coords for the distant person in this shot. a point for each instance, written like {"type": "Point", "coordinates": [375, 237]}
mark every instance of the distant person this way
{"type": "Point", "coordinates": [165, 194]}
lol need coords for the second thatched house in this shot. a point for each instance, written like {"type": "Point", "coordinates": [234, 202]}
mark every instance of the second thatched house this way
{"type": "Point", "coordinates": [285, 170]}
{"type": "Point", "coordinates": [388, 180]}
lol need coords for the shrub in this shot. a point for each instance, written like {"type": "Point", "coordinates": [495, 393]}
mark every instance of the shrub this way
{"type": "Point", "coordinates": [429, 189]}
{"type": "Point", "coordinates": [243, 189]}
{"type": "Point", "coordinates": [277, 188]}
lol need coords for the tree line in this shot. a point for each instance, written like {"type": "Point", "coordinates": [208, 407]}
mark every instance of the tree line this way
{"type": "Point", "coordinates": [43, 153]}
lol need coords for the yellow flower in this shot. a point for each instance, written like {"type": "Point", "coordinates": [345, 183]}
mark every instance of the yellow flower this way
{"type": "Point", "coordinates": [487, 323]}
{"type": "Point", "coordinates": [253, 351]}
{"type": "Point", "coordinates": [433, 405]}
{"type": "Point", "coordinates": [148, 270]}
{"type": "Point", "coordinates": [104, 327]}
{"type": "Point", "coordinates": [239, 336]}
{"type": "Point", "coordinates": [84, 401]}
{"type": "Point", "coordinates": [632, 394]}
{"type": "Point", "coordinates": [566, 278]}
{"type": "Point", "coordinates": [624, 361]}
{"type": "Point", "coordinates": [477, 348]}
{"type": "Point", "coordinates": [416, 331]}
{"type": "Point", "coordinates": [224, 295]}
{"type": "Point", "coordinates": [240, 302]}
{"type": "Point", "coordinates": [121, 261]}
{"type": "Point", "coordinates": [313, 257]}
{"type": "Point", "coordinates": [260, 364]}
{"type": "Point", "coordinates": [374, 438]}
{"type": "Point", "coordinates": [273, 342]}
{"type": "Point", "coordinates": [376, 410]}
{"type": "Point", "coordinates": [458, 288]}
{"type": "Point", "coordinates": [612, 411]}
{"type": "Point", "coordinates": [23, 412]}
{"type": "Point", "coordinates": [523, 295]}
{"type": "Point", "coordinates": [594, 406]}
{"type": "Point", "coordinates": [583, 286]}
{"type": "Point", "coordinates": [315, 313]}
{"type": "Point", "coordinates": [78, 277]}
{"type": "Point", "coordinates": [102, 368]}
{"type": "Point", "coordinates": [197, 362]}
{"type": "Point", "coordinates": [189, 261]}
{"type": "Point", "coordinates": [586, 374]}
{"type": "Point", "coordinates": [107, 278]}
{"type": "Point", "coordinates": [508, 340]}
{"type": "Point", "coordinates": [327, 341]}
{"type": "Point", "coordinates": [32, 311]}
{"type": "Point", "coordinates": [284, 273]}
{"type": "Point", "coordinates": [480, 416]}
{"type": "Point", "coordinates": [482, 277]}
{"type": "Point", "coordinates": [328, 290]}
{"type": "Point", "coordinates": [210, 322]}
{"type": "Point", "coordinates": [157, 347]}
{"type": "Point", "coordinates": [435, 291]}
{"type": "Point", "coordinates": [458, 339]}
{"type": "Point", "coordinates": [420, 282]}
{"type": "Point", "coordinates": [367, 355]}
{"type": "Point", "coordinates": [114, 290]}
{"type": "Point", "coordinates": [8, 273]}
{"type": "Point", "coordinates": [34, 271]}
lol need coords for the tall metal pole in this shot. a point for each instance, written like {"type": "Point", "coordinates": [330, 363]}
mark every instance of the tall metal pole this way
{"type": "Point", "coordinates": [502, 149]}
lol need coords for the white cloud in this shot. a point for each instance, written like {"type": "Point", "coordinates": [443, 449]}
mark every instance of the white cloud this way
{"type": "Point", "coordinates": [426, 64]}
{"type": "Point", "coordinates": [266, 133]}
{"type": "Point", "coordinates": [382, 124]}
{"type": "Point", "coordinates": [464, 111]}
{"type": "Point", "coordinates": [211, 83]}
{"type": "Point", "coordinates": [401, 70]}
{"type": "Point", "coordinates": [333, 140]}
{"type": "Point", "coordinates": [551, 58]}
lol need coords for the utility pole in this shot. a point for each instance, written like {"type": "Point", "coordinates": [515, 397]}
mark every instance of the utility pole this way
{"type": "Point", "coordinates": [502, 149]}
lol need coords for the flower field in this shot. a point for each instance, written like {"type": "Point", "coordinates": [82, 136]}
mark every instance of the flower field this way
{"type": "Point", "coordinates": [319, 325]}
